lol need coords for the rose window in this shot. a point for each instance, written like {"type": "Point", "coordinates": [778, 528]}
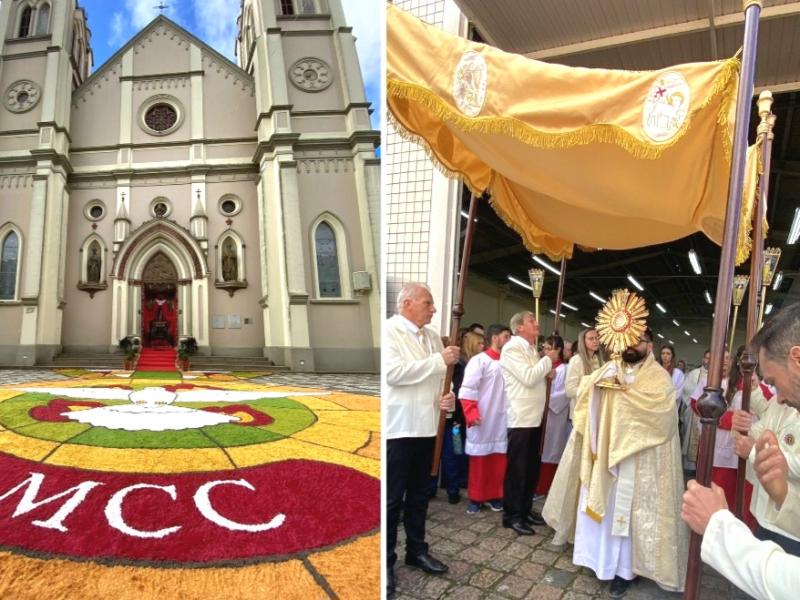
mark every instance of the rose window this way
{"type": "Point", "coordinates": [161, 117]}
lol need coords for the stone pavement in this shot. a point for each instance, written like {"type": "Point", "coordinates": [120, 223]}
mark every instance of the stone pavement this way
{"type": "Point", "coordinates": [14, 376]}
{"type": "Point", "coordinates": [488, 562]}
{"type": "Point", "coordinates": [354, 383]}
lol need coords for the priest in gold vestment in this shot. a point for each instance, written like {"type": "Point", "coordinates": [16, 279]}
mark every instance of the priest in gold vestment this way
{"type": "Point", "coordinates": [617, 491]}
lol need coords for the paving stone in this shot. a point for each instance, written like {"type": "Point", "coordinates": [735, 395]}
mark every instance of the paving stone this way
{"type": "Point", "coordinates": [460, 570]}
{"type": "Point", "coordinates": [543, 557]}
{"type": "Point", "coordinates": [558, 578]}
{"type": "Point", "coordinates": [481, 527]}
{"type": "Point", "coordinates": [513, 586]}
{"type": "Point", "coordinates": [485, 578]}
{"type": "Point", "coordinates": [531, 571]}
{"type": "Point", "coordinates": [586, 583]}
{"type": "Point", "coordinates": [464, 536]}
{"type": "Point", "coordinates": [476, 554]}
{"type": "Point", "coordinates": [565, 563]}
{"type": "Point", "coordinates": [504, 562]}
{"type": "Point", "coordinates": [464, 592]}
{"type": "Point", "coordinates": [570, 595]}
{"type": "Point", "coordinates": [544, 592]}
{"type": "Point", "coordinates": [493, 544]}
{"type": "Point", "coordinates": [445, 547]}
{"type": "Point", "coordinates": [435, 587]}
{"type": "Point", "coordinates": [518, 550]}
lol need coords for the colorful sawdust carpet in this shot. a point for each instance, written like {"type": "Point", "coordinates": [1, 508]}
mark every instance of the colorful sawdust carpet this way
{"type": "Point", "coordinates": [202, 486]}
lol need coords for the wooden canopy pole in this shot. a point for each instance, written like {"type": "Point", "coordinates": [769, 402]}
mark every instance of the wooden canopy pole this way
{"type": "Point", "coordinates": [711, 405]}
{"type": "Point", "coordinates": [549, 382]}
{"type": "Point", "coordinates": [455, 322]}
{"type": "Point", "coordinates": [748, 361]}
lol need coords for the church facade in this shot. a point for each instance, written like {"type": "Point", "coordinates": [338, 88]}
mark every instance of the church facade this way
{"type": "Point", "coordinates": [172, 193]}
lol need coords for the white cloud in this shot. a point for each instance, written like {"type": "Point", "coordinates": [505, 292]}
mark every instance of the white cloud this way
{"type": "Point", "coordinates": [365, 19]}
{"type": "Point", "coordinates": [117, 30]}
{"type": "Point", "coordinates": [216, 22]}
{"type": "Point", "coordinates": [144, 11]}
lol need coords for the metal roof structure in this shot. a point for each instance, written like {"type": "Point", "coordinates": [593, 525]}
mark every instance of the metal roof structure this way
{"type": "Point", "coordinates": [640, 35]}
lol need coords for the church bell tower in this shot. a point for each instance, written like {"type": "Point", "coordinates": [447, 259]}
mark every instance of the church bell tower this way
{"type": "Point", "coordinates": [44, 55]}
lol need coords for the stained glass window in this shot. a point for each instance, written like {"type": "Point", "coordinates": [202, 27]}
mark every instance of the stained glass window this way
{"type": "Point", "coordinates": [9, 254]}
{"type": "Point", "coordinates": [43, 19]}
{"type": "Point", "coordinates": [160, 117]}
{"type": "Point", "coordinates": [25, 22]}
{"type": "Point", "coordinates": [287, 7]}
{"type": "Point", "coordinates": [327, 262]}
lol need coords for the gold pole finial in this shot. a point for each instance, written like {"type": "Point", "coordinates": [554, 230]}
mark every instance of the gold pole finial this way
{"type": "Point", "coordinates": [537, 281]}
{"type": "Point", "coordinates": [771, 258]}
{"type": "Point", "coordinates": [748, 3]}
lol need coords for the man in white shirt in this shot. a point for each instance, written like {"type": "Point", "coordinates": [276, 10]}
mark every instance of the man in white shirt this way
{"type": "Point", "coordinates": [760, 568]}
{"type": "Point", "coordinates": [414, 363]}
{"type": "Point", "coordinates": [688, 418]}
{"type": "Point", "coordinates": [524, 373]}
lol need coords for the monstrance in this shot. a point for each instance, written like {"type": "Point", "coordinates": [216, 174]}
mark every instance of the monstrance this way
{"type": "Point", "coordinates": [620, 324]}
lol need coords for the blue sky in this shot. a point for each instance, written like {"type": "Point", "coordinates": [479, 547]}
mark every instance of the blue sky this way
{"type": "Point", "coordinates": [115, 22]}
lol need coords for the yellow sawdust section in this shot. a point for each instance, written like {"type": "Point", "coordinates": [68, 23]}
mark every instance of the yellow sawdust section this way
{"type": "Point", "coordinates": [373, 448]}
{"type": "Point", "coordinates": [355, 401]}
{"type": "Point", "coordinates": [354, 419]}
{"type": "Point", "coordinates": [8, 394]}
{"type": "Point", "coordinates": [289, 449]}
{"type": "Point", "coordinates": [24, 578]}
{"type": "Point", "coordinates": [25, 447]}
{"type": "Point", "coordinates": [314, 403]}
{"type": "Point", "coordinates": [353, 571]}
{"type": "Point", "coordinates": [140, 460]}
{"type": "Point", "coordinates": [333, 436]}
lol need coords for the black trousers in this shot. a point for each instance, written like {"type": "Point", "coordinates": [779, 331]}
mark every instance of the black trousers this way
{"type": "Point", "coordinates": [522, 472]}
{"type": "Point", "coordinates": [408, 474]}
{"type": "Point", "coordinates": [789, 545]}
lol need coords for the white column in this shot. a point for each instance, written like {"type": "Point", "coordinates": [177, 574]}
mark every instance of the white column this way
{"type": "Point", "coordinates": [367, 171]}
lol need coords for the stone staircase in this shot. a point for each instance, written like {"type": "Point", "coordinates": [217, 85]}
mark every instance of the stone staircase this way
{"type": "Point", "coordinates": [75, 360]}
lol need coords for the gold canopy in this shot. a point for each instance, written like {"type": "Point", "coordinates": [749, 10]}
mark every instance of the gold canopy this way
{"type": "Point", "coordinates": [596, 157]}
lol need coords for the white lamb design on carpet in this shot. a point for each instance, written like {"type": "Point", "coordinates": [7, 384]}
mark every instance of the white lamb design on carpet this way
{"type": "Point", "coordinates": [151, 408]}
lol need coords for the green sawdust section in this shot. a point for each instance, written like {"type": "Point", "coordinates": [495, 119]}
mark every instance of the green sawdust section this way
{"type": "Point", "coordinates": [289, 417]}
{"type": "Point", "coordinates": [163, 375]}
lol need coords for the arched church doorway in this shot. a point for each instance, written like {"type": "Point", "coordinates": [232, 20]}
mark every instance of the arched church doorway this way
{"type": "Point", "coordinates": [159, 302]}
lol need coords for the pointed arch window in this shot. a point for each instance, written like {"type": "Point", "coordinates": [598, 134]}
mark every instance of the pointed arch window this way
{"type": "Point", "coordinates": [328, 276]}
{"type": "Point", "coordinates": [25, 22]}
{"type": "Point", "coordinates": [43, 19]}
{"type": "Point", "coordinates": [9, 263]}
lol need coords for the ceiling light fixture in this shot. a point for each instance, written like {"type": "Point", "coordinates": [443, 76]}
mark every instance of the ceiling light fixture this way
{"type": "Point", "coordinates": [519, 283]}
{"type": "Point", "coordinates": [546, 265]}
{"type": "Point", "coordinates": [552, 312]}
{"type": "Point", "coordinates": [569, 305]}
{"type": "Point", "coordinates": [636, 283]}
{"type": "Point", "coordinates": [465, 214]}
{"type": "Point", "coordinates": [687, 333]}
{"type": "Point", "coordinates": [598, 298]}
{"type": "Point", "coordinates": [695, 262]}
{"type": "Point", "coordinates": [794, 231]}
{"type": "Point", "coordinates": [676, 323]}
{"type": "Point", "coordinates": [708, 297]}
{"type": "Point", "coordinates": [660, 307]}
{"type": "Point", "coordinates": [768, 309]}
{"type": "Point", "coordinates": [778, 280]}
{"type": "Point", "coordinates": [659, 335]}
{"type": "Point", "coordinates": [694, 340]}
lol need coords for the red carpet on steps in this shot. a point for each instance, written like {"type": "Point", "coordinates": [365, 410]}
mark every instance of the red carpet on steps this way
{"type": "Point", "coordinates": [156, 359]}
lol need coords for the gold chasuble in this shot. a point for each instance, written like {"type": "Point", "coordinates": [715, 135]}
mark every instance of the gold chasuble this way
{"type": "Point", "coordinates": [598, 157]}
{"type": "Point", "coordinates": [639, 424]}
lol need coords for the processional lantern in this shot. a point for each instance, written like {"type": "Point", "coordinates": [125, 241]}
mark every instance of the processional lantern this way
{"type": "Point", "coordinates": [537, 281]}
{"type": "Point", "coordinates": [771, 258]}
{"type": "Point", "coordinates": [739, 288]}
